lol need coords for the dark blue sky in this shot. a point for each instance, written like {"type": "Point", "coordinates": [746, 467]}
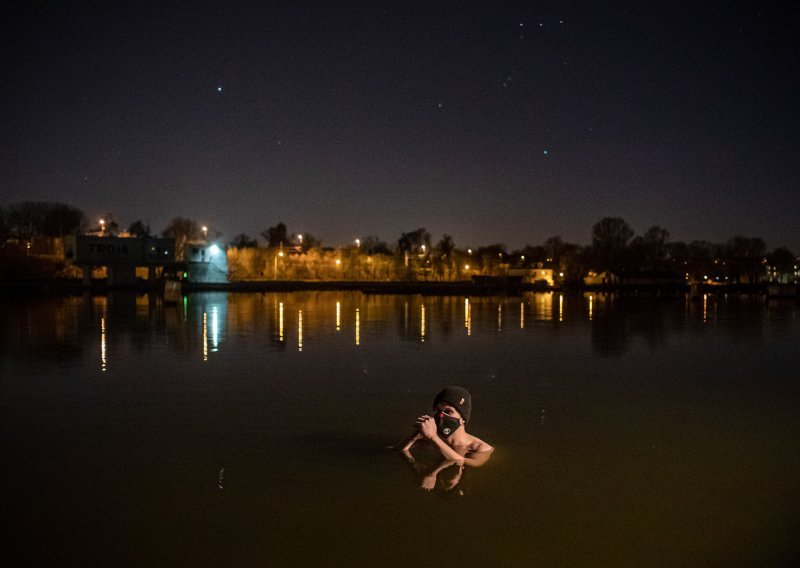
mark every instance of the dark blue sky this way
{"type": "Point", "coordinates": [492, 121]}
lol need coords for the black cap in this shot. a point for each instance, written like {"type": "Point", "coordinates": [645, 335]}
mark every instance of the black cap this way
{"type": "Point", "coordinates": [457, 397]}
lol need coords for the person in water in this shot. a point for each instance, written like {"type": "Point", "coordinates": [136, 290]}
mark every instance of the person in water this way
{"type": "Point", "coordinates": [446, 431]}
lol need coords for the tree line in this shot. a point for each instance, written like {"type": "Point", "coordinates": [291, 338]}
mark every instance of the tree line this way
{"type": "Point", "coordinates": [614, 247]}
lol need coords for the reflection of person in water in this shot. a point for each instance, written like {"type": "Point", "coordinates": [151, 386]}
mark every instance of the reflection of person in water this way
{"type": "Point", "coordinates": [446, 432]}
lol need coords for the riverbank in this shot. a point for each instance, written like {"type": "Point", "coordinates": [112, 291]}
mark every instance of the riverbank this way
{"type": "Point", "coordinates": [58, 286]}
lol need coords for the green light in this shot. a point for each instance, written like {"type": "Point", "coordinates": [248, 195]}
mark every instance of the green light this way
{"type": "Point", "coordinates": [186, 275]}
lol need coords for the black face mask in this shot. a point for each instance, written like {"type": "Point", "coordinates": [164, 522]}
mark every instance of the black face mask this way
{"type": "Point", "coordinates": [446, 425]}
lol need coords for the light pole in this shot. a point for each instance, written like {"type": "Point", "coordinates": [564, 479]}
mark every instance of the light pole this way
{"type": "Point", "coordinates": [205, 233]}
{"type": "Point", "coordinates": [102, 226]}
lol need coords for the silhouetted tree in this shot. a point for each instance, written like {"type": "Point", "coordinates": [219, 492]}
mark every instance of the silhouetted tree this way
{"type": "Point", "coordinates": [746, 257]}
{"type": "Point", "coordinates": [649, 251]}
{"type": "Point", "coordinates": [491, 257]}
{"type": "Point", "coordinates": [29, 219]}
{"type": "Point", "coordinates": [373, 245]}
{"type": "Point", "coordinates": [610, 238]}
{"type": "Point", "coordinates": [567, 259]}
{"type": "Point", "coordinates": [412, 242]}
{"type": "Point", "coordinates": [182, 230]}
{"type": "Point", "coordinates": [311, 242]}
{"type": "Point", "coordinates": [138, 229]}
{"type": "Point", "coordinates": [276, 236]}
{"type": "Point", "coordinates": [782, 261]}
{"type": "Point", "coordinates": [573, 262]}
{"type": "Point", "coordinates": [555, 247]}
{"type": "Point", "coordinates": [704, 260]}
{"type": "Point", "coordinates": [533, 255]}
{"type": "Point", "coordinates": [445, 247]}
{"type": "Point", "coordinates": [243, 240]}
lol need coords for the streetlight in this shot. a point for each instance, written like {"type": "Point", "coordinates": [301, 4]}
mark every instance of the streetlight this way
{"type": "Point", "coordinates": [205, 232]}
{"type": "Point", "coordinates": [358, 243]}
{"type": "Point", "coordinates": [103, 226]}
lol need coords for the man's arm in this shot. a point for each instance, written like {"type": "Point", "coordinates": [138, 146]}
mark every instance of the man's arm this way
{"type": "Point", "coordinates": [478, 457]}
{"type": "Point", "coordinates": [406, 444]}
{"type": "Point", "coordinates": [427, 427]}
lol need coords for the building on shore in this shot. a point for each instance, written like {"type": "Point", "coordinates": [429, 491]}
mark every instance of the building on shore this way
{"type": "Point", "coordinates": [205, 263]}
{"type": "Point", "coordinates": [121, 256]}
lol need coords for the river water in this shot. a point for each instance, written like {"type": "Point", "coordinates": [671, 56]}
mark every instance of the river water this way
{"type": "Point", "coordinates": [251, 429]}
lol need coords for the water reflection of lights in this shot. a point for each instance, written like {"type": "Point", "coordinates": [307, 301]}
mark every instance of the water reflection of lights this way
{"type": "Point", "coordinates": [591, 306]}
{"type": "Point", "coordinates": [499, 317]}
{"type": "Point", "coordinates": [103, 344]}
{"type": "Point", "coordinates": [543, 306]}
{"type": "Point", "coordinates": [280, 321]}
{"type": "Point", "coordinates": [468, 316]}
{"type": "Point", "coordinates": [358, 327]}
{"type": "Point", "coordinates": [405, 318]}
{"type": "Point", "coordinates": [338, 316]}
{"type": "Point", "coordinates": [205, 336]}
{"type": "Point", "coordinates": [185, 308]}
{"type": "Point", "coordinates": [214, 329]}
{"type": "Point", "coordinates": [705, 308]}
{"type": "Point", "coordinates": [561, 307]}
{"type": "Point", "coordinates": [522, 315]}
{"type": "Point", "coordinates": [299, 330]}
{"type": "Point", "coordinates": [422, 323]}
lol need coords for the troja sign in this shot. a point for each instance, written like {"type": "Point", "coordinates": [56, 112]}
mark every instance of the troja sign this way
{"type": "Point", "coordinates": [139, 251]}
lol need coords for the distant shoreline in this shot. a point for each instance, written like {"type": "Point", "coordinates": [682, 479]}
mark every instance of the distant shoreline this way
{"type": "Point", "coordinates": [456, 288]}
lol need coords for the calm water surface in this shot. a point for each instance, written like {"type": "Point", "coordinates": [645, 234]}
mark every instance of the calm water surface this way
{"type": "Point", "coordinates": [250, 429]}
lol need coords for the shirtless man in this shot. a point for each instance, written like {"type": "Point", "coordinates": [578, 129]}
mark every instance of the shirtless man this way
{"type": "Point", "coordinates": [446, 430]}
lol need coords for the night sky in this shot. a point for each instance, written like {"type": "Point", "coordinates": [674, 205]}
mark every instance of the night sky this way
{"type": "Point", "coordinates": [491, 121]}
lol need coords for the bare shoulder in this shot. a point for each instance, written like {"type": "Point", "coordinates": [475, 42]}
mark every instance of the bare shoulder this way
{"type": "Point", "coordinates": [477, 445]}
